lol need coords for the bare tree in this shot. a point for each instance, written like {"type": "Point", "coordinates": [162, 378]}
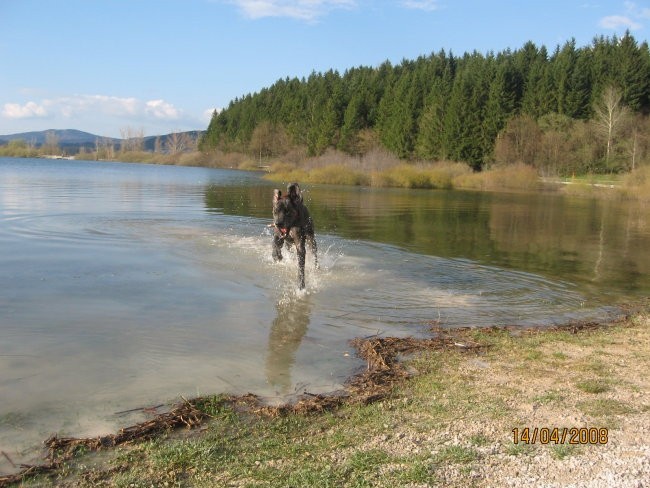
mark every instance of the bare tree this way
{"type": "Point", "coordinates": [174, 143]}
{"type": "Point", "coordinates": [610, 113]}
{"type": "Point", "coordinates": [519, 141]}
{"type": "Point", "coordinates": [132, 139]}
{"type": "Point", "coordinates": [51, 145]}
{"type": "Point", "coordinates": [637, 140]}
{"type": "Point", "coordinates": [268, 140]}
{"type": "Point", "coordinates": [262, 140]}
{"type": "Point", "coordinates": [178, 142]}
{"type": "Point", "coordinates": [104, 148]}
{"type": "Point", "coordinates": [634, 148]}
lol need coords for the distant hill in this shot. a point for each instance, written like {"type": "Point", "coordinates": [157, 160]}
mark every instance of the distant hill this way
{"type": "Point", "coordinates": [66, 136]}
{"type": "Point", "coordinates": [71, 140]}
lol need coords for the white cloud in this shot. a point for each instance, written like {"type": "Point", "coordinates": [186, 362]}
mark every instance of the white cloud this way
{"type": "Point", "coordinates": [101, 114]}
{"type": "Point", "coordinates": [74, 106]}
{"type": "Point", "coordinates": [427, 5]}
{"type": "Point", "coordinates": [27, 111]}
{"type": "Point", "coordinates": [308, 10]}
{"type": "Point", "coordinates": [629, 20]}
{"type": "Point", "coordinates": [619, 21]}
{"type": "Point", "coordinates": [161, 109]}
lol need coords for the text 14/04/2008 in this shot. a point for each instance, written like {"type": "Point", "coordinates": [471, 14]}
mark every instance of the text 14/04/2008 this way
{"type": "Point", "coordinates": [561, 435]}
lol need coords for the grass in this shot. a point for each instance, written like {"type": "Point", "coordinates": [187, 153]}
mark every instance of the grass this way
{"type": "Point", "coordinates": [379, 168]}
{"type": "Point", "coordinates": [402, 175]}
{"type": "Point", "coordinates": [590, 179]}
{"type": "Point", "coordinates": [514, 177]}
{"type": "Point", "coordinates": [520, 449]}
{"type": "Point", "coordinates": [604, 407]}
{"type": "Point", "coordinates": [440, 175]}
{"type": "Point", "coordinates": [636, 185]}
{"type": "Point", "coordinates": [547, 397]}
{"type": "Point", "coordinates": [592, 386]}
{"type": "Point", "coordinates": [479, 440]}
{"type": "Point", "coordinates": [437, 428]}
{"type": "Point", "coordinates": [456, 455]}
{"type": "Point", "coordinates": [563, 451]}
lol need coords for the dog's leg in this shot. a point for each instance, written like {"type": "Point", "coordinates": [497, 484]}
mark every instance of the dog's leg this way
{"type": "Point", "coordinates": [277, 246]}
{"type": "Point", "coordinates": [314, 248]}
{"type": "Point", "coordinates": [312, 240]}
{"type": "Point", "coordinates": [299, 241]}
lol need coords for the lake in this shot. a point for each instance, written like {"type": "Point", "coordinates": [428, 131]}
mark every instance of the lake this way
{"type": "Point", "coordinates": [128, 285]}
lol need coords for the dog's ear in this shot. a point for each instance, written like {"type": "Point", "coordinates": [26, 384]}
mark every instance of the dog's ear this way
{"type": "Point", "coordinates": [277, 194]}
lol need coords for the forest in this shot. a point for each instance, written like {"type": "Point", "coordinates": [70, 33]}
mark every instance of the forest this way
{"type": "Point", "coordinates": [575, 110]}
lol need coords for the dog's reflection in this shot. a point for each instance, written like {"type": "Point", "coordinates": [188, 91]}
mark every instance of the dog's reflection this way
{"type": "Point", "coordinates": [287, 331]}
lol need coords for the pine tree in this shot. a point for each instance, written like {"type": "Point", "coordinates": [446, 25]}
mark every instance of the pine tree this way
{"type": "Point", "coordinates": [633, 66]}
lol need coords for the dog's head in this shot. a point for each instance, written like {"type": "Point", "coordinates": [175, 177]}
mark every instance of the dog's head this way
{"type": "Point", "coordinates": [285, 215]}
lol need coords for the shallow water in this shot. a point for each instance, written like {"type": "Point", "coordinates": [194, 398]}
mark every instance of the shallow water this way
{"type": "Point", "coordinates": [126, 286]}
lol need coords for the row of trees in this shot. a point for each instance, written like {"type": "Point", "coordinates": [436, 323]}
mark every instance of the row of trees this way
{"type": "Point", "coordinates": [132, 141]}
{"type": "Point", "coordinates": [22, 148]}
{"type": "Point", "coordinates": [444, 107]}
{"type": "Point", "coordinates": [613, 140]}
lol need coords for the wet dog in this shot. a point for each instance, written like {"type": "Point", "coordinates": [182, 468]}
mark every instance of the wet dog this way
{"type": "Point", "coordinates": [292, 225]}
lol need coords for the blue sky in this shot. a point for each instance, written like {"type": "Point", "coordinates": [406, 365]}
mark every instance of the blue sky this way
{"type": "Point", "coordinates": [104, 66]}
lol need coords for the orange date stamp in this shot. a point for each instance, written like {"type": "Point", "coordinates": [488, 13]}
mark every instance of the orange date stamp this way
{"type": "Point", "coordinates": [561, 435]}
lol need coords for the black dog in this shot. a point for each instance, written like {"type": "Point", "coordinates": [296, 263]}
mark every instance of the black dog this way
{"type": "Point", "coordinates": [292, 224]}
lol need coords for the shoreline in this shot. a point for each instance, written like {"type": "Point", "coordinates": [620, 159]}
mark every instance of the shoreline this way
{"type": "Point", "coordinates": [431, 175]}
{"type": "Point", "coordinates": [387, 374]}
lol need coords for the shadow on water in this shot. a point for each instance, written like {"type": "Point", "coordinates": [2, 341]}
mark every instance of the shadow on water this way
{"type": "Point", "coordinates": [286, 334]}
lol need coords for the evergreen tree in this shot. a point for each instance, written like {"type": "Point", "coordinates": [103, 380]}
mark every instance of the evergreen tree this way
{"type": "Point", "coordinates": [633, 66]}
{"type": "Point", "coordinates": [538, 96]}
{"type": "Point", "coordinates": [397, 115]}
{"type": "Point", "coordinates": [577, 97]}
{"type": "Point", "coordinates": [440, 106]}
{"type": "Point", "coordinates": [463, 129]}
{"type": "Point", "coordinates": [501, 102]}
{"type": "Point", "coordinates": [430, 139]}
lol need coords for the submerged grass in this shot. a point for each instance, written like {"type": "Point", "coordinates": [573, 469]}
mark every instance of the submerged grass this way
{"type": "Point", "coordinates": [449, 424]}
